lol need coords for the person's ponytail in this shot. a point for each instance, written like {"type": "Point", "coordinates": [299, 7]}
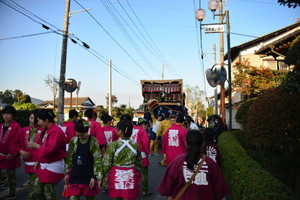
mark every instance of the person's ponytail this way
{"type": "Point", "coordinates": [126, 127]}
{"type": "Point", "coordinates": [194, 140]}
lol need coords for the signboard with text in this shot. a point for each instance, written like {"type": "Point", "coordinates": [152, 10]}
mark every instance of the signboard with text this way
{"type": "Point", "coordinates": [214, 28]}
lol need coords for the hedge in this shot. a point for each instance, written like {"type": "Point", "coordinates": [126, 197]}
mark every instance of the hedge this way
{"type": "Point", "coordinates": [245, 177]}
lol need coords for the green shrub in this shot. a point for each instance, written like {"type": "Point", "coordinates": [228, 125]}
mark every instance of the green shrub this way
{"type": "Point", "coordinates": [245, 177]}
{"type": "Point", "coordinates": [274, 121]}
{"type": "Point", "coordinates": [242, 113]}
{"type": "Point", "coordinates": [209, 111]}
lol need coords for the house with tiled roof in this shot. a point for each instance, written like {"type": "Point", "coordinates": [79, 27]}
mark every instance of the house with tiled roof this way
{"type": "Point", "coordinates": [80, 103]}
{"type": "Point", "coordinates": [268, 50]}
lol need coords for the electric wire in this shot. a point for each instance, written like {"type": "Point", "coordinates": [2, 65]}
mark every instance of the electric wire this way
{"type": "Point", "coordinates": [159, 53]}
{"type": "Point", "coordinates": [21, 12]}
{"type": "Point", "coordinates": [114, 39]}
{"type": "Point", "coordinates": [35, 15]}
{"type": "Point", "coordinates": [29, 35]}
{"type": "Point", "coordinates": [110, 8]}
{"type": "Point", "coordinates": [83, 45]}
{"type": "Point", "coordinates": [150, 48]}
{"type": "Point", "coordinates": [102, 58]}
{"type": "Point", "coordinates": [105, 61]}
{"type": "Point", "coordinates": [200, 47]}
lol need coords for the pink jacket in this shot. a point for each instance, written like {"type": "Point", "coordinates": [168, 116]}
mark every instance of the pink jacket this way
{"type": "Point", "coordinates": [7, 146]}
{"type": "Point", "coordinates": [97, 131]}
{"type": "Point", "coordinates": [70, 130]}
{"type": "Point", "coordinates": [140, 136]}
{"type": "Point", "coordinates": [22, 142]}
{"type": "Point", "coordinates": [173, 143]}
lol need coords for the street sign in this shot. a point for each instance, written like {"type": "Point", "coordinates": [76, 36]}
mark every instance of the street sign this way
{"type": "Point", "coordinates": [214, 28]}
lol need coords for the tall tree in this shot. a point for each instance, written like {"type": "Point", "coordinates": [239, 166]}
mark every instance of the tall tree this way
{"type": "Point", "coordinates": [289, 3]}
{"type": "Point", "coordinates": [25, 98]}
{"type": "Point", "coordinates": [52, 83]}
{"type": "Point", "coordinates": [7, 97]}
{"type": "Point", "coordinates": [195, 99]}
{"type": "Point", "coordinates": [114, 99]}
{"type": "Point", "coordinates": [17, 95]}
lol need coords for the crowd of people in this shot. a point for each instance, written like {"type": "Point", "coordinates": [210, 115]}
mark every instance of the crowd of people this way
{"type": "Point", "coordinates": [90, 157]}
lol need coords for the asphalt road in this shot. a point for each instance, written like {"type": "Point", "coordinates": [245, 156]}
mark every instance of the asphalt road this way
{"type": "Point", "coordinates": [155, 174]}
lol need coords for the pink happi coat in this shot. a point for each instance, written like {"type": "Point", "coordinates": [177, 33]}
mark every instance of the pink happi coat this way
{"type": "Point", "coordinates": [22, 143]}
{"type": "Point", "coordinates": [173, 143]}
{"type": "Point", "coordinates": [97, 131]}
{"type": "Point", "coordinates": [110, 134]}
{"type": "Point", "coordinates": [140, 136]}
{"type": "Point", "coordinates": [53, 149]}
{"type": "Point", "coordinates": [7, 146]}
{"type": "Point", "coordinates": [70, 130]}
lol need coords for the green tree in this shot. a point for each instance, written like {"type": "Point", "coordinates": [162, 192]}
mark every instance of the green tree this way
{"type": "Point", "coordinates": [101, 109]}
{"type": "Point", "coordinates": [17, 95]}
{"type": "Point", "coordinates": [251, 81]}
{"type": "Point", "coordinates": [24, 106]}
{"type": "Point", "coordinates": [7, 97]}
{"type": "Point", "coordinates": [121, 110]}
{"type": "Point", "coordinates": [292, 81]}
{"type": "Point", "coordinates": [195, 98]}
{"type": "Point", "coordinates": [25, 99]}
{"type": "Point", "coordinates": [289, 3]}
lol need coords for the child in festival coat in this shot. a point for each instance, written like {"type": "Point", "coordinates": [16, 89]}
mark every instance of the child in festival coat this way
{"type": "Point", "coordinates": [110, 132]}
{"type": "Point", "coordinates": [209, 183]}
{"type": "Point", "coordinates": [51, 154]}
{"type": "Point", "coordinates": [123, 160]}
{"type": "Point", "coordinates": [33, 132]}
{"type": "Point", "coordinates": [83, 163]}
{"type": "Point", "coordinates": [173, 143]}
{"type": "Point", "coordinates": [140, 135]}
{"type": "Point", "coordinates": [96, 130]}
{"type": "Point", "coordinates": [9, 158]}
{"type": "Point", "coordinates": [111, 135]}
{"type": "Point", "coordinates": [211, 149]}
{"type": "Point", "coordinates": [69, 125]}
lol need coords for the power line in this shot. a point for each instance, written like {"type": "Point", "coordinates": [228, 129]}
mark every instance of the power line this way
{"type": "Point", "coordinates": [83, 45]}
{"type": "Point", "coordinates": [35, 15]}
{"type": "Point", "coordinates": [244, 35]}
{"type": "Point", "coordinates": [22, 36]}
{"type": "Point", "coordinates": [21, 12]}
{"type": "Point", "coordinates": [162, 57]}
{"type": "Point", "coordinates": [110, 9]}
{"type": "Point", "coordinates": [200, 47]}
{"type": "Point", "coordinates": [113, 39]}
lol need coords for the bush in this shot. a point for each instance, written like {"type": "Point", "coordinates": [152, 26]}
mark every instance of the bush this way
{"type": "Point", "coordinates": [246, 178]}
{"type": "Point", "coordinates": [241, 116]}
{"type": "Point", "coordinates": [274, 121]}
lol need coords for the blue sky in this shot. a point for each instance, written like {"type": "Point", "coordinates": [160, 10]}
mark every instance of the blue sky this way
{"type": "Point", "coordinates": [26, 62]}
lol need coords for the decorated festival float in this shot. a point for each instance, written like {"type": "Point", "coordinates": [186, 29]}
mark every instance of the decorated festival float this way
{"type": "Point", "coordinates": [162, 96]}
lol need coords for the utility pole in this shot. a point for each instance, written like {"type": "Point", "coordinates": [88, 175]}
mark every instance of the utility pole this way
{"type": "Point", "coordinates": [215, 88]}
{"type": "Point", "coordinates": [109, 87]}
{"type": "Point", "coordinates": [63, 64]}
{"type": "Point", "coordinates": [229, 69]}
{"type": "Point", "coordinates": [222, 63]}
